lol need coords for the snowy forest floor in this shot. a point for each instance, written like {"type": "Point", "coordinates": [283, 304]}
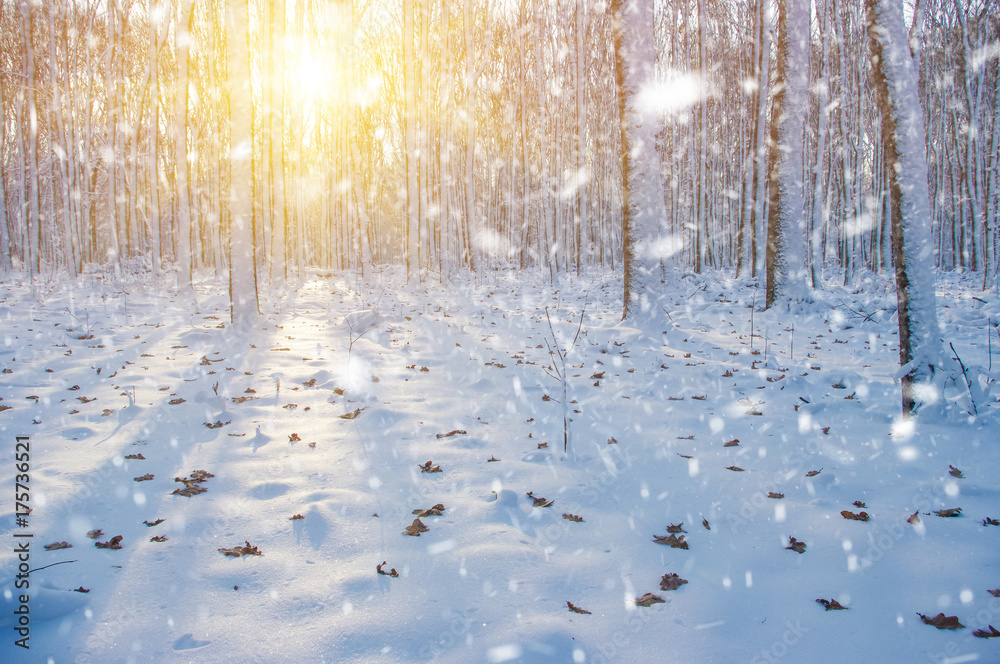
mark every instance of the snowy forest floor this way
{"type": "Point", "coordinates": [317, 426]}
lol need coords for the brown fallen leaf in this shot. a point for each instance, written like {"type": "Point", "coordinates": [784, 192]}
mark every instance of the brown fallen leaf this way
{"type": "Point", "coordinates": [942, 621]}
{"type": "Point", "coordinates": [351, 415]}
{"type": "Point", "coordinates": [826, 431]}
{"type": "Point", "coordinates": [294, 438]}
{"type": "Point", "coordinates": [81, 589]}
{"type": "Point", "coordinates": [983, 634]}
{"type": "Point", "coordinates": [671, 581]}
{"type": "Point", "coordinates": [851, 516]}
{"type": "Point", "coordinates": [158, 538]}
{"type": "Point", "coordinates": [814, 473]}
{"type": "Point", "coordinates": [174, 402]}
{"type": "Point", "coordinates": [684, 456]}
{"type": "Point", "coordinates": [612, 441]}
{"type": "Point", "coordinates": [704, 522]}
{"type": "Point", "coordinates": [542, 445]}
{"type": "Point", "coordinates": [952, 511]}
{"type": "Point", "coordinates": [150, 524]}
{"type": "Point", "coordinates": [492, 459]}
{"type": "Point", "coordinates": [310, 383]}
{"type": "Point", "coordinates": [831, 605]}
{"type": "Point", "coordinates": [673, 541]}
{"type": "Point", "coordinates": [955, 472]}
{"type": "Point", "coordinates": [676, 528]}
{"type": "Point", "coordinates": [913, 519]}
{"type": "Point", "coordinates": [296, 517]}
{"type": "Point", "coordinates": [453, 432]}
{"type": "Point", "coordinates": [700, 397]}
{"type": "Point", "coordinates": [995, 592]}
{"type": "Point", "coordinates": [238, 551]}
{"type": "Point", "coordinates": [649, 599]}
{"type": "Point", "coordinates": [776, 496]}
{"type": "Point", "coordinates": [218, 424]}
{"type": "Point", "coordinates": [732, 443]}
{"type": "Point", "coordinates": [538, 501]}
{"type": "Point", "coordinates": [988, 521]}
{"type": "Point", "coordinates": [859, 504]}
{"type": "Point", "coordinates": [573, 517]}
{"type": "Point", "coordinates": [134, 456]}
{"type": "Point", "coordinates": [94, 534]}
{"type": "Point", "coordinates": [430, 511]}
{"type": "Point", "coordinates": [58, 545]}
{"type": "Point", "coordinates": [429, 467]}
{"type": "Point", "coordinates": [392, 572]}
{"type": "Point", "coordinates": [416, 528]}
{"type": "Point", "coordinates": [143, 478]}
{"type": "Point", "coordinates": [796, 546]}
{"type": "Point", "coordinates": [113, 543]}
{"type": "Point", "coordinates": [576, 609]}
{"type": "Point", "coordinates": [734, 469]}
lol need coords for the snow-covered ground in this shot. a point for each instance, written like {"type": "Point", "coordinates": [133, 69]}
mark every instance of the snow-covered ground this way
{"type": "Point", "coordinates": [329, 413]}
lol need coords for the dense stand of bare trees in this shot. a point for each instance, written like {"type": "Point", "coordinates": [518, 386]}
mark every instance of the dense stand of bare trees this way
{"type": "Point", "coordinates": [443, 134]}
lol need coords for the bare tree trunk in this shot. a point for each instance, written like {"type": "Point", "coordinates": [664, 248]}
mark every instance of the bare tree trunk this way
{"type": "Point", "coordinates": [903, 141]}
{"type": "Point", "coordinates": [242, 290]}
{"type": "Point", "coordinates": [182, 38]}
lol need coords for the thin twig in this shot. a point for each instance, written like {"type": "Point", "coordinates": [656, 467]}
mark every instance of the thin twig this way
{"type": "Point", "coordinates": [965, 374]}
{"type": "Point", "coordinates": [63, 562]}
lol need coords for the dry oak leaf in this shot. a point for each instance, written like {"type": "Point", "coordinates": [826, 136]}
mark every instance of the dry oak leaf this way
{"type": "Point", "coordinates": [57, 546]}
{"type": "Point", "coordinates": [673, 541]}
{"type": "Point", "coordinates": [796, 546]}
{"type": "Point", "coordinates": [612, 440]}
{"type": "Point", "coordinates": [983, 634]}
{"type": "Point", "coordinates": [392, 572]}
{"type": "Point", "coordinates": [453, 432]}
{"type": "Point", "coordinates": [113, 543]}
{"type": "Point", "coordinates": [430, 511]}
{"type": "Point", "coordinates": [955, 472]}
{"type": "Point", "coordinates": [676, 528]}
{"type": "Point", "coordinates": [294, 438]}
{"type": "Point", "coordinates": [143, 478]}
{"type": "Point", "coordinates": [951, 511]}
{"type": "Point", "coordinates": [776, 496]}
{"type": "Point", "coordinates": [296, 517]}
{"type": "Point", "coordinates": [913, 519]}
{"type": "Point", "coordinates": [814, 473]}
{"type": "Point", "coordinates": [218, 424]}
{"type": "Point", "coordinates": [942, 621]}
{"type": "Point", "coordinates": [310, 383]}
{"type": "Point", "coordinates": [573, 517]}
{"type": "Point", "coordinates": [150, 524]}
{"type": "Point", "coordinates": [94, 534]}
{"type": "Point", "coordinates": [851, 516]}
{"type": "Point", "coordinates": [576, 609]}
{"type": "Point", "coordinates": [731, 443]}
{"type": "Point", "coordinates": [542, 445]}
{"type": "Point", "coordinates": [736, 469]}
{"type": "Point", "coordinates": [831, 605]}
{"type": "Point", "coordinates": [238, 551]}
{"type": "Point", "coordinates": [174, 402]}
{"type": "Point", "coordinates": [684, 456]}
{"type": "Point", "coordinates": [671, 581]}
{"type": "Point", "coordinates": [859, 504]}
{"type": "Point", "coordinates": [988, 521]}
{"type": "Point", "coordinates": [81, 589]}
{"type": "Point", "coordinates": [416, 528]}
{"type": "Point", "coordinates": [492, 459]}
{"type": "Point", "coordinates": [429, 467]}
{"type": "Point", "coordinates": [134, 456]}
{"type": "Point", "coordinates": [158, 538]}
{"type": "Point", "coordinates": [539, 502]}
{"type": "Point", "coordinates": [995, 592]}
{"type": "Point", "coordinates": [704, 522]}
{"type": "Point", "coordinates": [649, 599]}
{"type": "Point", "coordinates": [351, 415]}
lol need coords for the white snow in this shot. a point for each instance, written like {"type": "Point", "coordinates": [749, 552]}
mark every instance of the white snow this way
{"type": "Point", "coordinates": [453, 374]}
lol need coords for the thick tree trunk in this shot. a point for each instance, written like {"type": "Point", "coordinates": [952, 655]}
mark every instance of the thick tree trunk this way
{"type": "Point", "coordinates": [903, 141]}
